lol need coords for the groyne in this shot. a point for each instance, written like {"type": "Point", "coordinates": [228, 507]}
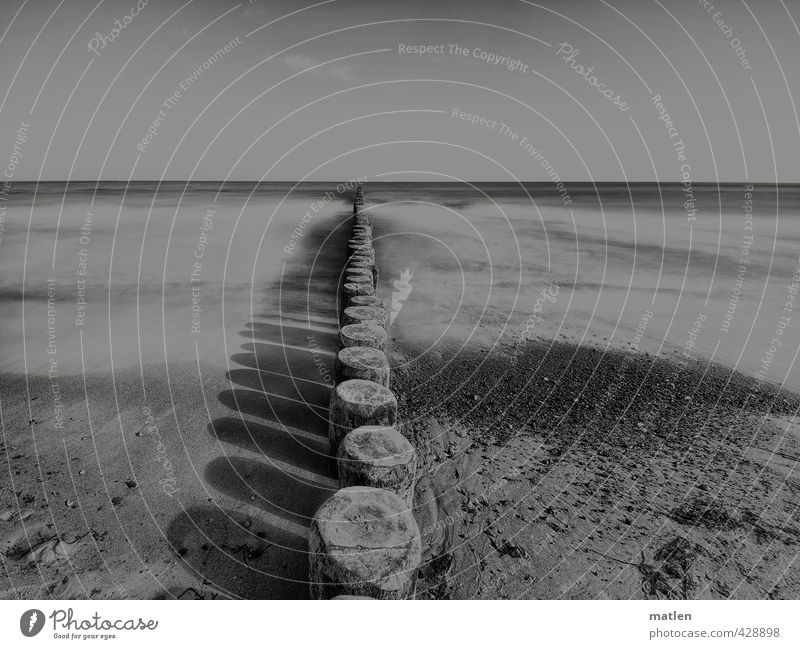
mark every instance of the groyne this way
{"type": "Point", "coordinates": [364, 541]}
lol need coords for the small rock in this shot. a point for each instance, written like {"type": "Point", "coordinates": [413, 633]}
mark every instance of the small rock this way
{"type": "Point", "coordinates": [131, 484]}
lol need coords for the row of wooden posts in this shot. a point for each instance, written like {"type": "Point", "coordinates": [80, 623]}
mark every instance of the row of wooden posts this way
{"type": "Point", "coordinates": [364, 541]}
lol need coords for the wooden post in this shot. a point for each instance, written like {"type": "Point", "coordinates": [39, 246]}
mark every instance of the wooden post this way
{"type": "Point", "coordinates": [357, 403]}
{"type": "Point", "coordinates": [357, 314]}
{"type": "Point", "coordinates": [351, 289]}
{"type": "Point", "coordinates": [363, 254]}
{"type": "Point", "coordinates": [378, 456]}
{"type": "Point", "coordinates": [364, 542]}
{"type": "Point", "coordinates": [368, 300]}
{"type": "Point", "coordinates": [364, 334]}
{"type": "Point", "coordinates": [365, 263]}
{"type": "Point", "coordinates": [363, 363]}
{"type": "Point", "coordinates": [359, 275]}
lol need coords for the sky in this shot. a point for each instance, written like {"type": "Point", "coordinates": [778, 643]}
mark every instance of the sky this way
{"type": "Point", "coordinates": [315, 90]}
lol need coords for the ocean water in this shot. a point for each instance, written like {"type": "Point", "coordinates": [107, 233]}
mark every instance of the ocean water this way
{"type": "Point", "coordinates": [633, 266]}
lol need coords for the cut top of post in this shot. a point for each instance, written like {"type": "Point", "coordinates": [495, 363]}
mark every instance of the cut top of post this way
{"type": "Point", "coordinates": [365, 518]}
{"type": "Point", "coordinates": [366, 393]}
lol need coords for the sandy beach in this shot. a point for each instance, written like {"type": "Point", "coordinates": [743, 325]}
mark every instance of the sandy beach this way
{"type": "Point", "coordinates": [581, 444]}
{"type": "Point", "coordinates": [540, 485]}
{"type": "Point", "coordinates": [158, 461]}
{"type": "Point", "coordinates": [572, 445]}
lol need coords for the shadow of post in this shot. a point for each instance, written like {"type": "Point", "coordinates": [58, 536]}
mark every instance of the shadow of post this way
{"type": "Point", "coordinates": [278, 473]}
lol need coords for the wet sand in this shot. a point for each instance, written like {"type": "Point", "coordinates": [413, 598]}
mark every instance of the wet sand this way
{"type": "Point", "coordinates": [541, 483]}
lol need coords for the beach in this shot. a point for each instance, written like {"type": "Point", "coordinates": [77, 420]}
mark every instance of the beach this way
{"type": "Point", "coordinates": [575, 398]}
{"type": "Point", "coordinates": [168, 437]}
{"type": "Point", "coordinates": [598, 392]}
{"type": "Point", "coordinates": [592, 475]}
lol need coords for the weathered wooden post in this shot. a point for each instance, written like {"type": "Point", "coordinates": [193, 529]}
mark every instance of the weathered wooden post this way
{"type": "Point", "coordinates": [367, 265]}
{"type": "Point", "coordinates": [356, 275]}
{"type": "Point", "coordinates": [364, 542]}
{"type": "Point", "coordinates": [352, 289]}
{"type": "Point", "coordinates": [368, 300]}
{"type": "Point", "coordinates": [380, 457]}
{"type": "Point", "coordinates": [363, 363]}
{"type": "Point", "coordinates": [363, 254]}
{"type": "Point", "coordinates": [357, 403]}
{"type": "Point", "coordinates": [356, 314]}
{"type": "Point", "coordinates": [364, 334]}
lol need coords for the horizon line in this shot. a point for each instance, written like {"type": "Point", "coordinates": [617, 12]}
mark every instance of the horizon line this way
{"type": "Point", "coordinates": [422, 182]}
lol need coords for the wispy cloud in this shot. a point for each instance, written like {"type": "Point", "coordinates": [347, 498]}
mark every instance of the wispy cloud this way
{"type": "Point", "coordinates": [299, 61]}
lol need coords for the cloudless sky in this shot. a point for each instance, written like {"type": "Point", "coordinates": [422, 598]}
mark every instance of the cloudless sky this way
{"type": "Point", "coordinates": [322, 92]}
